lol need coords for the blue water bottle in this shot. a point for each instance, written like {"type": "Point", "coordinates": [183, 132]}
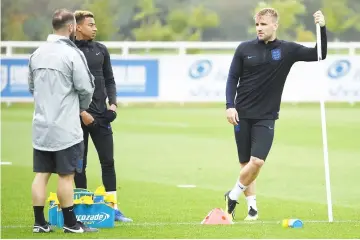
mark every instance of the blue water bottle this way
{"type": "Point", "coordinates": [292, 223]}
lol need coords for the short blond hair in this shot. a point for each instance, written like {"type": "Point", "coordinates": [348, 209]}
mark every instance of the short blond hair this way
{"type": "Point", "coordinates": [80, 15]}
{"type": "Point", "coordinates": [268, 11]}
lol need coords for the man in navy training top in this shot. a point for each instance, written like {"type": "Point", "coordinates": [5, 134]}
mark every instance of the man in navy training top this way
{"type": "Point", "coordinates": [99, 128]}
{"type": "Point", "coordinates": [254, 88]}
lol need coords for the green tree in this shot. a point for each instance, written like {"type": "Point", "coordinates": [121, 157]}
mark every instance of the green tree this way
{"type": "Point", "coordinates": [190, 26]}
{"type": "Point", "coordinates": [181, 25]}
{"type": "Point", "coordinates": [13, 17]}
{"type": "Point", "coordinates": [290, 27]}
{"type": "Point", "coordinates": [340, 17]}
{"type": "Point", "coordinates": [303, 35]}
{"type": "Point", "coordinates": [29, 19]}
{"type": "Point", "coordinates": [150, 26]}
{"type": "Point", "coordinates": [105, 18]}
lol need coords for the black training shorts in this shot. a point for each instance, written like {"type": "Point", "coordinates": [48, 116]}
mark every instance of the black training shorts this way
{"type": "Point", "coordinates": [63, 162]}
{"type": "Point", "coordinates": [254, 138]}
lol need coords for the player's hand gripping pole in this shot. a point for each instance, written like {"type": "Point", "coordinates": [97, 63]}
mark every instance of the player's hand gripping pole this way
{"type": "Point", "coordinates": [324, 133]}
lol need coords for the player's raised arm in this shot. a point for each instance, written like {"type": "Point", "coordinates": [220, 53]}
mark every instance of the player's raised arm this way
{"type": "Point", "coordinates": [307, 54]}
{"type": "Point", "coordinates": [231, 85]}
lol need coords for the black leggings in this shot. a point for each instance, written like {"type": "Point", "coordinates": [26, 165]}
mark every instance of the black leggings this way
{"type": "Point", "coordinates": [102, 136]}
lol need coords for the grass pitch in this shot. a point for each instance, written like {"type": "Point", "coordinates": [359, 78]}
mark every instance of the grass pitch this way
{"type": "Point", "coordinates": [158, 148]}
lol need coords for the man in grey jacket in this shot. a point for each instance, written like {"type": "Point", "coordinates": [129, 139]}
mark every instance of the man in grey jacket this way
{"type": "Point", "coordinates": [62, 86]}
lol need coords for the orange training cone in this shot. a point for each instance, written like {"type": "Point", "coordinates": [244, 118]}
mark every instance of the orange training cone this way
{"type": "Point", "coordinates": [216, 216]}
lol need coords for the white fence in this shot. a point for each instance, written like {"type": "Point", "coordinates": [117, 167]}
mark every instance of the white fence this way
{"type": "Point", "coordinates": [197, 77]}
{"type": "Point", "coordinates": [181, 47]}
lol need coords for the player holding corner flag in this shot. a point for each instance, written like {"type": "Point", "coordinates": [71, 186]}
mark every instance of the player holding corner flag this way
{"type": "Point", "coordinates": [256, 77]}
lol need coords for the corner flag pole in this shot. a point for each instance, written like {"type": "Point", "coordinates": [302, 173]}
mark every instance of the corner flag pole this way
{"type": "Point", "coordinates": [324, 134]}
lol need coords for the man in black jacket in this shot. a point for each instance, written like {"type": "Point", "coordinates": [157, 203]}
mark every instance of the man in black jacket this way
{"type": "Point", "coordinates": [254, 87]}
{"type": "Point", "coordinates": [98, 59]}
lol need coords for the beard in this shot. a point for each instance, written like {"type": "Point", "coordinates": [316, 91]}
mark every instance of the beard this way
{"type": "Point", "coordinates": [72, 36]}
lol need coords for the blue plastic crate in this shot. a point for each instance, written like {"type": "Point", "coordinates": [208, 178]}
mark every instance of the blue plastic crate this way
{"type": "Point", "coordinates": [78, 193]}
{"type": "Point", "coordinates": [97, 215]}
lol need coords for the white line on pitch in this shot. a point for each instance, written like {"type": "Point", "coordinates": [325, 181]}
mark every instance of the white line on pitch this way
{"type": "Point", "coordinates": [198, 223]}
{"type": "Point", "coordinates": [186, 186]}
{"type": "Point", "coordinates": [5, 163]}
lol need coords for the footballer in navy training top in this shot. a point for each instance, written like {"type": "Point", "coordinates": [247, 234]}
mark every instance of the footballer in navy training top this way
{"type": "Point", "coordinates": [254, 87]}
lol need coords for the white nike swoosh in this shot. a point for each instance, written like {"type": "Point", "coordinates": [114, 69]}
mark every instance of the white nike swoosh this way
{"type": "Point", "coordinates": [44, 229]}
{"type": "Point", "coordinates": [80, 230]}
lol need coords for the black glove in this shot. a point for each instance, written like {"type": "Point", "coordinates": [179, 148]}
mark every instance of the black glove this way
{"type": "Point", "coordinates": [110, 115]}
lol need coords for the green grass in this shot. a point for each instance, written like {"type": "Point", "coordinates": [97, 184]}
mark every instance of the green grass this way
{"type": "Point", "coordinates": [159, 147]}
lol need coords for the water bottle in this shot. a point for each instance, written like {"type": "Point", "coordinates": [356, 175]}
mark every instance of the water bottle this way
{"type": "Point", "coordinates": [292, 223]}
{"type": "Point", "coordinates": [98, 198]}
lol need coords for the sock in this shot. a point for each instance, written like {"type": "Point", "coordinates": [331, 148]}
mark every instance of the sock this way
{"type": "Point", "coordinates": [39, 215]}
{"type": "Point", "coordinates": [115, 197]}
{"type": "Point", "coordinates": [251, 202]}
{"type": "Point", "coordinates": [69, 216]}
{"type": "Point", "coordinates": [237, 190]}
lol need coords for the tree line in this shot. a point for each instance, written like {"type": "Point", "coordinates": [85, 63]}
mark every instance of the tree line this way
{"type": "Point", "coordinates": [182, 20]}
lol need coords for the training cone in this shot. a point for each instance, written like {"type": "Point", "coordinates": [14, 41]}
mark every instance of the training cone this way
{"type": "Point", "coordinates": [216, 216]}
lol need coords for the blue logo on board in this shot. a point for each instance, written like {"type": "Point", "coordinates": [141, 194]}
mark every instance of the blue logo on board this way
{"type": "Point", "coordinates": [200, 69]}
{"type": "Point", "coordinates": [339, 69]}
